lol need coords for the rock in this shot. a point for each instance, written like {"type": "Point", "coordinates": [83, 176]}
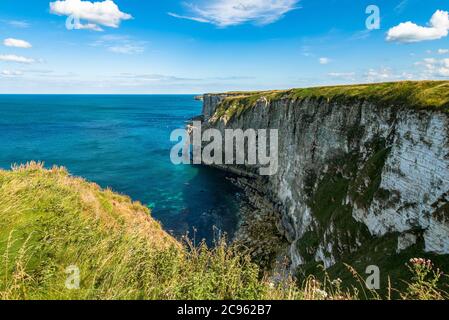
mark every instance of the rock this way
{"type": "Point", "coordinates": [405, 241]}
{"type": "Point", "coordinates": [349, 172]}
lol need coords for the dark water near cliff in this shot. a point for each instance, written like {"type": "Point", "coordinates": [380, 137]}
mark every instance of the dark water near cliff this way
{"type": "Point", "coordinates": [122, 142]}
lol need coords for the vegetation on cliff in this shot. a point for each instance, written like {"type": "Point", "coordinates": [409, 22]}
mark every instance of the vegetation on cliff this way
{"type": "Point", "coordinates": [351, 174]}
{"type": "Point", "coordinates": [428, 95]}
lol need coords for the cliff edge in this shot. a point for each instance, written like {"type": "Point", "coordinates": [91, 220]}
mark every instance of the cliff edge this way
{"type": "Point", "coordinates": [363, 170]}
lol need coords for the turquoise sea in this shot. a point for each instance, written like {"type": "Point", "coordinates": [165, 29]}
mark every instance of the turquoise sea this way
{"type": "Point", "coordinates": [122, 142]}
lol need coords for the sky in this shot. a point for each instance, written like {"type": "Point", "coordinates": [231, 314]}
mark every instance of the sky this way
{"type": "Point", "coordinates": [198, 46]}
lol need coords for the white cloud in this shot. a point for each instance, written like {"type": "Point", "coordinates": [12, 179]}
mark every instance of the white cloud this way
{"type": "Point", "coordinates": [197, 19]}
{"type": "Point", "coordinates": [306, 51]}
{"type": "Point", "coordinates": [155, 77]}
{"type": "Point", "coordinates": [342, 74]}
{"type": "Point", "coordinates": [386, 74]}
{"type": "Point", "coordinates": [77, 25]}
{"type": "Point", "coordinates": [17, 43]}
{"type": "Point", "coordinates": [361, 35]}
{"type": "Point", "coordinates": [105, 13]}
{"type": "Point", "coordinates": [410, 32]}
{"type": "Point", "coordinates": [224, 13]}
{"type": "Point", "coordinates": [401, 6]}
{"type": "Point", "coordinates": [127, 49]}
{"type": "Point", "coordinates": [382, 74]}
{"type": "Point", "coordinates": [443, 51]}
{"type": "Point", "coordinates": [14, 58]}
{"type": "Point", "coordinates": [120, 44]}
{"type": "Point", "coordinates": [16, 23]}
{"type": "Point", "coordinates": [11, 73]}
{"type": "Point", "coordinates": [324, 60]}
{"type": "Point", "coordinates": [435, 67]}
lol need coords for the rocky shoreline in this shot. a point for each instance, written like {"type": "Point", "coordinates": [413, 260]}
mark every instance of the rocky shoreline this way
{"type": "Point", "coordinates": [258, 230]}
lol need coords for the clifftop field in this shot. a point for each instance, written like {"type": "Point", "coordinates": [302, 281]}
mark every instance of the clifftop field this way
{"type": "Point", "coordinates": [52, 224]}
{"type": "Point", "coordinates": [424, 95]}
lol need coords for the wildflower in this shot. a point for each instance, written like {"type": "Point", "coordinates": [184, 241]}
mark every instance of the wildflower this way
{"type": "Point", "coordinates": [421, 262]}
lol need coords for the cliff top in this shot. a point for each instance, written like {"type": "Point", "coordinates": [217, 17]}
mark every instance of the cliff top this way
{"type": "Point", "coordinates": [38, 195]}
{"type": "Point", "coordinates": [432, 95]}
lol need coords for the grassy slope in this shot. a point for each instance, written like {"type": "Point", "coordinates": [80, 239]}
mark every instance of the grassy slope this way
{"type": "Point", "coordinates": [50, 221]}
{"type": "Point", "coordinates": [431, 95]}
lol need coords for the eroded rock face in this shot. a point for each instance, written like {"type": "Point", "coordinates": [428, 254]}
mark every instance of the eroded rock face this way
{"type": "Point", "coordinates": [405, 241]}
{"type": "Point", "coordinates": [351, 172]}
{"type": "Point", "coordinates": [210, 103]}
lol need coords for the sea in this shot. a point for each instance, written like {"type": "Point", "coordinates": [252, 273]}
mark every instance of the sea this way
{"type": "Point", "coordinates": [123, 142]}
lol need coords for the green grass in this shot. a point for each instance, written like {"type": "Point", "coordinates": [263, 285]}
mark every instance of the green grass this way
{"type": "Point", "coordinates": [382, 253]}
{"type": "Point", "coordinates": [51, 222]}
{"type": "Point", "coordinates": [429, 95]}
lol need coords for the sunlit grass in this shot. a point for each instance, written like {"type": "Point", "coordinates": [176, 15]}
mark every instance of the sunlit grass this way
{"type": "Point", "coordinates": [427, 95]}
{"type": "Point", "coordinates": [50, 221]}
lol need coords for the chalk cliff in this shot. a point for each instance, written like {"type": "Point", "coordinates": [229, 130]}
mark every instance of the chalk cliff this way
{"type": "Point", "coordinates": [356, 164]}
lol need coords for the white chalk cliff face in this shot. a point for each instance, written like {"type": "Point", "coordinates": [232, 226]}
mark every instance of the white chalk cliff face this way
{"type": "Point", "coordinates": [351, 172]}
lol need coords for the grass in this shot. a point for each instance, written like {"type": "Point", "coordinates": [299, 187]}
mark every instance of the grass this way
{"type": "Point", "coordinates": [428, 95]}
{"type": "Point", "coordinates": [395, 276]}
{"type": "Point", "coordinates": [51, 222]}
{"type": "Point", "coordinates": [56, 229]}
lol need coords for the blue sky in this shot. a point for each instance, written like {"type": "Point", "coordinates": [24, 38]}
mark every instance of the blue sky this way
{"type": "Point", "coordinates": [171, 46]}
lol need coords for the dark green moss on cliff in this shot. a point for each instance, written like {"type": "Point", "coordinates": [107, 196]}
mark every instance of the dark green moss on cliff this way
{"type": "Point", "coordinates": [442, 213]}
{"type": "Point", "coordinates": [355, 177]}
{"type": "Point", "coordinates": [366, 185]}
{"type": "Point", "coordinates": [333, 214]}
{"type": "Point", "coordinates": [380, 252]}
